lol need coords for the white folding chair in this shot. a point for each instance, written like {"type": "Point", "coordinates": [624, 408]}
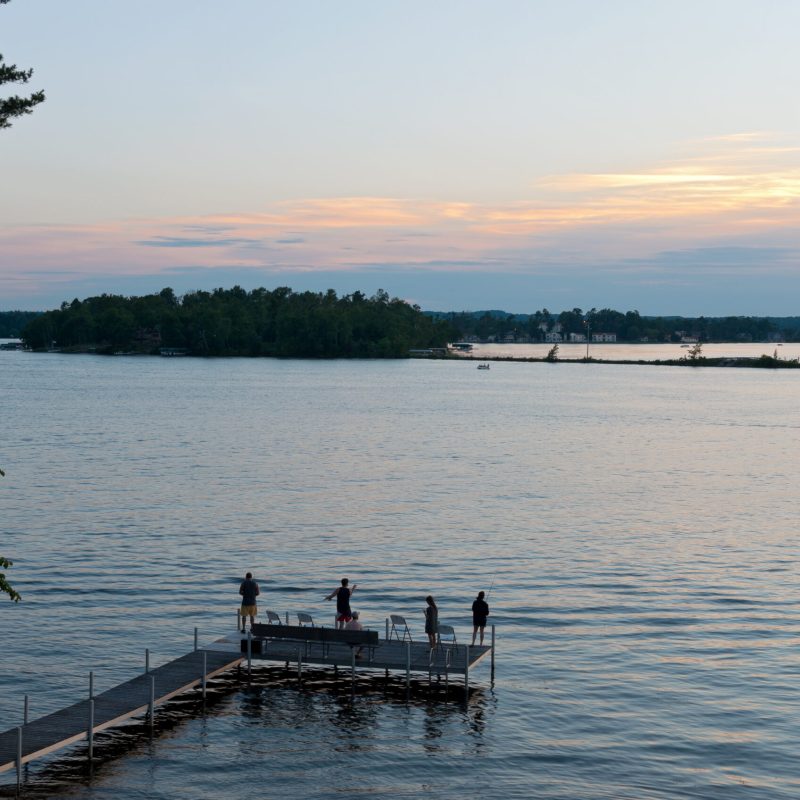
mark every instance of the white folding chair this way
{"type": "Point", "coordinates": [450, 633]}
{"type": "Point", "coordinates": [304, 619]}
{"type": "Point", "coordinates": [399, 624]}
{"type": "Point", "coordinates": [273, 618]}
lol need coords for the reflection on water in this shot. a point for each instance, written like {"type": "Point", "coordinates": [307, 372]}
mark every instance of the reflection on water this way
{"type": "Point", "coordinates": [268, 707]}
{"type": "Point", "coordinates": [636, 525]}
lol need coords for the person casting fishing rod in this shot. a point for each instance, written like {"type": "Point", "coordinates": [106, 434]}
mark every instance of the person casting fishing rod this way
{"type": "Point", "coordinates": [343, 593]}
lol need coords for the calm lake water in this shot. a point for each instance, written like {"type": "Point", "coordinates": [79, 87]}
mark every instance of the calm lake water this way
{"type": "Point", "coordinates": [637, 525]}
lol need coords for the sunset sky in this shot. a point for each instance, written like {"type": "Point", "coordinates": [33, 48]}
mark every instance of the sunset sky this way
{"type": "Point", "coordinates": [461, 155]}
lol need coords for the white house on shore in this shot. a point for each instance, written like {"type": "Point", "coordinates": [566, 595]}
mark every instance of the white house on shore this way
{"type": "Point", "coordinates": [553, 337]}
{"type": "Point", "coordinates": [604, 337]}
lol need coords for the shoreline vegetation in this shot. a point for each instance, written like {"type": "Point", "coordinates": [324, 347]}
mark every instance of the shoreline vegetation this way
{"type": "Point", "coordinates": [694, 358]}
{"type": "Point", "coordinates": [233, 322]}
{"type": "Point", "coordinates": [759, 362]}
{"type": "Point", "coordinates": [281, 323]}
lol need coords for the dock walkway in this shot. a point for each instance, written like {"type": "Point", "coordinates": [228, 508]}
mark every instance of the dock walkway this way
{"type": "Point", "coordinates": [155, 686]}
{"type": "Point", "coordinates": [71, 724]}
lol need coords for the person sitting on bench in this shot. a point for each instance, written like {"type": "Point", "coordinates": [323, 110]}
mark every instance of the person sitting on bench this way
{"type": "Point", "coordinates": [355, 625]}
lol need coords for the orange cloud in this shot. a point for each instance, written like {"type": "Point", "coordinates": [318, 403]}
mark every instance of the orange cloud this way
{"type": "Point", "coordinates": [729, 185]}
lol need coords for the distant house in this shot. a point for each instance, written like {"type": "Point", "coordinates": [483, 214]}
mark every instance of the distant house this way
{"type": "Point", "coordinates": [689, 339]}
{"type": "Point", "coordinates": [553, 337]}
{"type": "Point", "coordinates": [577, 337]}
{"type": "Point", "coordinates": [604, 337]}
{"type": "Point", "coordinates": [147, 336]}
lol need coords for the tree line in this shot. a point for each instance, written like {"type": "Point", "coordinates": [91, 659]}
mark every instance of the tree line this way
{"type": "Point", "coordinates": [628, 326]}
{"type": "Point", "coordinates": [235, 322]}
{"type": "Point", "coordinates": [12, 323]}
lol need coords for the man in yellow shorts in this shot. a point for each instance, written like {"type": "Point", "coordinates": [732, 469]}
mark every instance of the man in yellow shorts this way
{"type": "Point", "coordinates": [249, 591]}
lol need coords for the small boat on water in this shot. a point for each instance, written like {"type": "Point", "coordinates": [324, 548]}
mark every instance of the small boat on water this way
{"type": "Point", "coordinates": [483, 366]}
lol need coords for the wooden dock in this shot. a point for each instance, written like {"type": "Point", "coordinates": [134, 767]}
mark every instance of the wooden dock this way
{"type": "Point", "coordinates": [389, 655]}
{"type": "Point", "coordinates": [84, 719]}
{"type": "Point", "coordinates": [143, 693]}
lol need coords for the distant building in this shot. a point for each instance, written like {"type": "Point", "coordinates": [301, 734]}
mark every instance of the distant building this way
{"type": "Point", "coordinates": [604, 337]}
{"type": "Point", "coordinates": [553, 337]}
{"type": "Point", "coordinates": [576, 338]}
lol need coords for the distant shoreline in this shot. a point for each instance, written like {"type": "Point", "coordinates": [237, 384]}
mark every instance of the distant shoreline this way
{"type": "Point", "coordinates": [743, 362]}
{"type": "Point", "coordinates": [752, 362]}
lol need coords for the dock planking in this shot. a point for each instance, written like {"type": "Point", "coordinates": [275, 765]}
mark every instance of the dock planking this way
{"type": "Point", "coordinates": [71, 724]}
{"type": "Point", "coordinates": [132, 698]}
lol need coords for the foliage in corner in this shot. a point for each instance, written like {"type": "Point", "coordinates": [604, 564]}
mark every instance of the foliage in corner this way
{"type": "Point", "coordinates": [16, 106]}
{"type": "Point", "coordinates": [5, 586]}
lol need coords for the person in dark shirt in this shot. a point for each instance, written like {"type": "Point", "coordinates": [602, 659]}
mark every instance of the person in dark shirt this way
{"type": "Point", "coordinates": [342, 594]}
{"type": "Point", "coordinates": [249, 591]}
{"type": "Point", "coordinates": [431, 620]}
{"type": "Point", "coordinates": [480, 610]}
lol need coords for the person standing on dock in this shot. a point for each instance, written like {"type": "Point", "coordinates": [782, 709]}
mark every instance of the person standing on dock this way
{"type": "Point", "coordinates": [342, 594]}
{"type": "Point", "coordinates": [249, 591]}
{"type": "Point", "coordinates": [480, 610]}
{"type": "Point", "coordinates": [431, 620]}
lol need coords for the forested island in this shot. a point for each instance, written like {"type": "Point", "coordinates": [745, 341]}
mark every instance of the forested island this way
{"type": "Point", "coordinates": [235, 322]}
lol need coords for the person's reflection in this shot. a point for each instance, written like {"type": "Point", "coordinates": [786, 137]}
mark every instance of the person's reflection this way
{"type": "Point", "coordinates": [354, 722]}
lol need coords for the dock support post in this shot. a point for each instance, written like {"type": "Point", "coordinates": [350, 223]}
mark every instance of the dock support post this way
{"type": "Point", "coordinates": [91, 685]}
{"type": "Point", "coordinates": [408, 665]}
{"type": "Point", "coordinates": [205, 672]}
{"type": "Point", "coordinates": [19, 760]}
{"type": "Point", "coordinates": [152, 699]}
{"type": "Point", "coordinates": [238, 619]}
{"type": "Point", "coordinates": [146, 662]}
{"type": "Point", "coordinates": [493, 653]}
{"type": "Point", "coordinates": [249, 652]}
{"type": "Point", "coordinates": [195, 640]}
{"type": "Point", "coordinates": [287, 617]}
{"type": "Point", "coordinates": [466, 671]}
{"type": "Point", "coordinates": [25, 712]}
{"type": "Point", "coordinates": [91, 730]}
{"type": "Point", "coordinates": [387, 629]}
{"type": "Point", "coordinates": [299, 665]}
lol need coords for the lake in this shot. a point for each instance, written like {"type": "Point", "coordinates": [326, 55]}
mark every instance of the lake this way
{"type": "Point", "coordinates": [636, 525]}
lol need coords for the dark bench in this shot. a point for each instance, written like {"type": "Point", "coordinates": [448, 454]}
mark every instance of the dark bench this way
{"type": "Point", "coordinates": [308, 635]}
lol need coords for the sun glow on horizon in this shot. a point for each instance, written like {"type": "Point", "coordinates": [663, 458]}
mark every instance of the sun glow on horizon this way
{"type": "Point", "coordinates": [742, 184]}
